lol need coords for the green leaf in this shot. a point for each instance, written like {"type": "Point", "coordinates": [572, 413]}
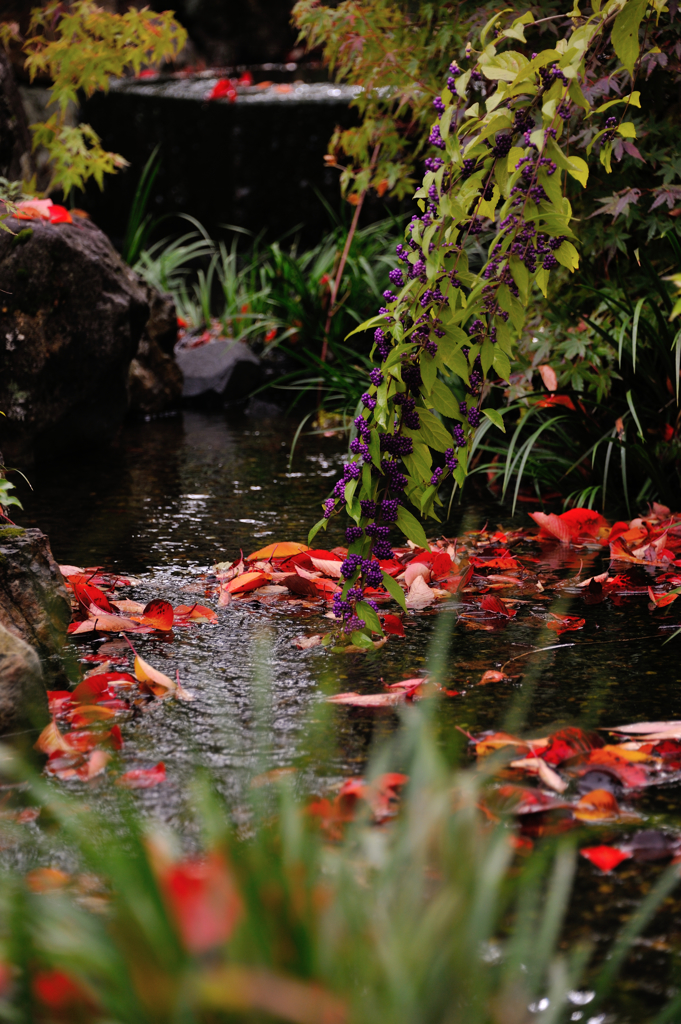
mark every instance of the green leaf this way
{"type": "Point", "coordinates": [321, 525]}
{"type": "Point", "coordinates": [395, 590]}
{"type": "Point", "coordinates": [624, 35]}
{"type": "Point", "coordinates": [411, 527]}
{"type": "Point", "coordinates": [419, 463]}
{"type": "Point", "coordinates": [360, 639]}
{"type": "Point", "coordinates": [486, 356]}
{"type": "Point", "coordinates": [427, 497]}
{"type": "Point", "coordinates": [568, 256]}
{"type": "Point", "coordinates": [373, 322]}
{"type": "Point", "coordinates": [496, 417]}
{"type": "Point", "coordinates": [428, 368]}
{"type": "Point", "coordinates": [443, 400]}
{"type": "Point", "coordinates": [501, 363]}
{"type": "Point", "coordinates": [374, 445]}
{"type": "Point", "coordinates": [350, 489]}
{"type": "Point", "coordinates": [366, 612]}
{"type": "Point", "coordinates": [627, 130]}
{"type": "Point", "coordinates": [432, 431]}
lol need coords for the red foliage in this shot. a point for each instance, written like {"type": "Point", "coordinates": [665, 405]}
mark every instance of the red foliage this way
{"type": "Point", "coordinates": [203, 899]}
{"type": "Point", "coordinates": [604, 857]}
{"type": "Point", "coordinates": [143, 778]}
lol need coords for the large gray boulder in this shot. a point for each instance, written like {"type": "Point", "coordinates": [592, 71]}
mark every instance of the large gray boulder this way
{"type": "Point", "coordinates": [34, 603]}
{"type": "Point", "coordinates": [71, 317]}
{"type": "Point", "coordinates": [227, 369]}
{"type": "Point", "coordinates": [23, 698]}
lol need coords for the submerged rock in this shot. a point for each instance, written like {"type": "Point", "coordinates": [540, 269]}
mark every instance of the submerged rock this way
{"type": "Point", "coordinates": [71, 317]}
{"type": "Point", "coordinates": [23, 698]}
{"type": "Point", "coordinates": [34, 604]}
{"type": "Point", "coordinates": [227, 369]}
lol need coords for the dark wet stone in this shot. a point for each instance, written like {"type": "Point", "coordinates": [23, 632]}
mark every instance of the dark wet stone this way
{"type": "Point", "coordinates": [155, 380]}
{"type": "Point", "coordinates": [34, 604]}
{"type": "Point", "coordinates": [23, 698]}
{"type": "Point", "coordinates": [71, 318]}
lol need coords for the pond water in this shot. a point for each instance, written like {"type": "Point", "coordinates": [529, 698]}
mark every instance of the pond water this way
{"type": "Point", "coordinates": [176, 495]}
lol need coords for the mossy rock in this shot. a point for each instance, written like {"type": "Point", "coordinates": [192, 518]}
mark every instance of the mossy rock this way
{"type": "Point", "coordinates": [34, 603]}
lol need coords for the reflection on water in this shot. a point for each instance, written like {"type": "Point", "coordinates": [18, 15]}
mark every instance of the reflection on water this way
{"type": "Point", "coordinates": [179, 494]}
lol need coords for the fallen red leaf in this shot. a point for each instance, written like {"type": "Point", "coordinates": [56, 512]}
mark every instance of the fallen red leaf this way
{"type": "Point", "coordinates": [393, 624]}
{"type": "Point", "coordinates": [58, 700]}
{"type": "Point", "coordinates": [564, 623]}
{"type": "Point", "coordinates": [143, 778]}
{"type": "Point", "coordinates": [604, 857]}
{"type": "Point", "coordinates": [571, 525]}
{"type": "Point", "coordinates": [58, 991]}
{"type": "Point", "coordinates": [87, 595]}
{"type": "Point", "coordinates": [441, 565]}
{"type": "Point", "coordinates": [223, 90]}
{"type": "Point", "coordinates": [91, 690]}
{"type": "Point", "coordinates": [504, 561]}
{"type": "Point", "coordinates": [60, 215]}
{"type": "Point", "coordinates": [569, 742]}
{"type": "Point", "coordinates": [299, 585]}
{"type": "Point", "coordinates": [551, 400]}
{"type": "Point", "coordinates": [496, 606]}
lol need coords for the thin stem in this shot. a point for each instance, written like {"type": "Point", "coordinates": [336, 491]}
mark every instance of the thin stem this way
{"type": "Point", "coordinates": [344, 257]}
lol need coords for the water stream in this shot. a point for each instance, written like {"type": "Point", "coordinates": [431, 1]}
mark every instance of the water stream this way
{"type": "Point", "coordinates": [177, 495]}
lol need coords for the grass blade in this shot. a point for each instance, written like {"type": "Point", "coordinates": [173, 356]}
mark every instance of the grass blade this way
{"type": "Point", "coordinates": [634, 329]}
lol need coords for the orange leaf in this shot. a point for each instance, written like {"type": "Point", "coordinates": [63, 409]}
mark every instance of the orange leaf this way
{"type": "Point", "coordinates": [246, 581]}
{"type": "Point", "coordinates": [281, 550]}
{"type": "Point", "coordinates": [159, 683]}
{"type": "Point", "coordinates": [604, 857]}
{"type": "Point", "coordinates": [597, 805]}
{"type": "Point", "coordinates": [196, 613]}
{"type": "Point", "coordinates": [368, 700]}
{"type": "Point", "coordinates": [158, 614]}
{"type": "Point", "coordinates": [85, 714]}
{"type": "Point", "coordinates": [33, 209]}
{"type": "Point", "coordinates": [492, 676]}
{"type": "Point", "coordinates": [46, 879]}
{"type": "Point", "coordinates": [51, 741]}
{"type": "Point", "coordinates": [95, 765]}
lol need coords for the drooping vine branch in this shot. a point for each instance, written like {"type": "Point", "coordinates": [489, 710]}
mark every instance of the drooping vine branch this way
{"type": "Point", "coordinates": [502, 133]}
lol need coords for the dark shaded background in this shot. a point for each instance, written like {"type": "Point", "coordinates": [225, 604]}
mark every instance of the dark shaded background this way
{"type": "Point", "coordinates": [221, 32]}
